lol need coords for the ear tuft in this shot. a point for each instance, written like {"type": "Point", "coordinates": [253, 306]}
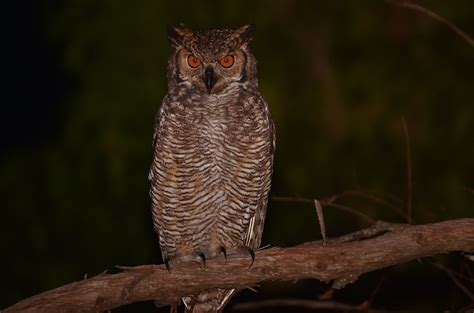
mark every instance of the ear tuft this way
{"type": "Point", "coordinates": [177, 33]}
{"type": "Point", "coordinates": [246, 33]}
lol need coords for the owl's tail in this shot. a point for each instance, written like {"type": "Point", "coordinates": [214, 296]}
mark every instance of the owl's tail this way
{"type": "Point", "coordinates": [210, 301]}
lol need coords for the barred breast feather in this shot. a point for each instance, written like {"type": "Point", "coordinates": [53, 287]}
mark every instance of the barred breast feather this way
{"type": "Point", "coordinates": [211, 172]}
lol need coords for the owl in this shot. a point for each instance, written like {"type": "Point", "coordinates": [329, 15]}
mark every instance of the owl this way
{"type": "Point", "coordinates": [213, 148]}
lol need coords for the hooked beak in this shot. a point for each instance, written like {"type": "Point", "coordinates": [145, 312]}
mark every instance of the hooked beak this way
{"type": "Point", "coordinates": [209, 79]}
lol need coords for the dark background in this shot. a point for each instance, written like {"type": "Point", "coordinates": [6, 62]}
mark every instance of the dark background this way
{"type": "Point", "coordinates": [88, 77]}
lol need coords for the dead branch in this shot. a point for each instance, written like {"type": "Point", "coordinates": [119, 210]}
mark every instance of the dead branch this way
{"type": "Point", "coordinates": [342, 262]}
{"type": "Point", "coordinates": [300, 304]}
{"type": "Point", "coordinates": [387, 200]}
{"type": "Point", "coordinates": [320, 214]}
{"type": "Point", "coordinates": [455, 280]}
{"type": "Point", "coordinates": [325, 203]}
{"type": "Point", "coordinates": [423, 10]}
{"type": "Point", "coordinates": [408, 158]}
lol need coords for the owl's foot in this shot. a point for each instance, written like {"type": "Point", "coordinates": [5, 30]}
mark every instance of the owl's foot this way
{"type": "Point", "coordinates": [198, 257]}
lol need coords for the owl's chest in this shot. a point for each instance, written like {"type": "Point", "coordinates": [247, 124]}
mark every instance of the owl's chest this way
{"type": "Point", "coordinates": [211, 145]}
{"type": "Point", "coordinates": [214, 127]}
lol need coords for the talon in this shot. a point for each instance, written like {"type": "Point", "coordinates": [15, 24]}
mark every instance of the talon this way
{"type": "Point", "coordinates": [203, 257]}
{"type": "Point", "coordinates": [252, 255]}
{"type": "Point", "coordinates": [224, 252]}
{"type": "Point", "coordinates": [167, 264]}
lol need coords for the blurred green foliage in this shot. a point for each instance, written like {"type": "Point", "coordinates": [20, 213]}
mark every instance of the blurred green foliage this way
{"type": "Point", "coordinates": [338, 76]}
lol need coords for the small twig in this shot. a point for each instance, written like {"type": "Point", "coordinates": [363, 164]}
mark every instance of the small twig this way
{"type": "Point", "coordinates": [327, 295]}
{"type": "Point", "coordinates": [376, 290]}
{"type": "Point", "coordinates": [299, 303]}
{"type": "Point", "coordinates": [471, 190]}
{"type": "Point", "coordinates": [330, 202]}
{"type": "Point", "coordinates": [319, 213]}
{"type": "Point", "coordinates": [349, 210]}
{"type": "Point", "coordinates": [408, 156]}
{"type": "Point", "coordinates": [369, 196]}
{"type": "Point", "coordinates": [454, 279]}
{"type": "Point", "coordinates": [174, 308]}
{"type": "Point", "coordinates": [466, 309]}
{"type": "Point", "coordinates": [325, 203]}
{"type": "Point", "coordinates": [291, 199]}
{"type": "Point", "coordinates": [419, 8]}
{"type": "Point", "coordinates": [376, 229]}
{"type": "Point", "coordinates": [467, 269]}
{"type": "Point", "coordinates": [389, 195]}
{"type": "Point", "coordinates": [457, 274]}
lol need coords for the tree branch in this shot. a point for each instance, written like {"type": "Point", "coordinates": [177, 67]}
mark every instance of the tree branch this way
{"type": "Point", "coordinates": [342, 262]}
{"type": "Point", "coordinates": [300, 304]}
{"type": "Point", "coordinates": [423, 10]}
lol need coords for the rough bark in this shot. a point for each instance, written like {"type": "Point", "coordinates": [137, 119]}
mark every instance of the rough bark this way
{"type": "Point", "coordinates": [342, 260]}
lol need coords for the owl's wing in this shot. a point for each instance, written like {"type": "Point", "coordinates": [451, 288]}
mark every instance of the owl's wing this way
{"type": "Point", "coordinates": [156, 131]}
{"type": "Point", "coordinates": [157, 167]}
{"type": "Point", "coordinates": [254, 232]}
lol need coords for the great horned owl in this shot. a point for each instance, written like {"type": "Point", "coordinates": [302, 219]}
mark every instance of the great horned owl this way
{"type": "Point", "coordinates": [213, 153]}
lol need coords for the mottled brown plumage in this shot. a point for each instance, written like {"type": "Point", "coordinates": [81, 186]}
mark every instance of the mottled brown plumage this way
{"type": "Point", "coordinates": [213, 153]}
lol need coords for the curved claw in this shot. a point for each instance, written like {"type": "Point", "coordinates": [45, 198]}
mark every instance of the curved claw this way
{"type": "Point", "coordinates": [203, 257]}
{"type": "Point", "coordinates": [252, 255]}
{"type": "Point", "coordinates": [167, 264]}
{"type": "Point", "coordinates": [224, 252]}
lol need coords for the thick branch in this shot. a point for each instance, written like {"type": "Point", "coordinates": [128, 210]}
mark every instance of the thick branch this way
{"type": "Point", "coordinates": [343, 262]}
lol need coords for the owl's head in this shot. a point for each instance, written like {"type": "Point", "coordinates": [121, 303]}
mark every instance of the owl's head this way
{"type": "Point", "coordinates": [211, 60]}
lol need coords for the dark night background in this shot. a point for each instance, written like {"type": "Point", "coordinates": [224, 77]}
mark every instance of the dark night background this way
{"type": "Point", "coordinates": [338, 77]}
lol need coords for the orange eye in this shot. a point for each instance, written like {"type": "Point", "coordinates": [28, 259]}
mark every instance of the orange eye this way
{"type": "Point", "coordinates": [193, 61]}
{"type": "Point", "coordinates": [227, 61]}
